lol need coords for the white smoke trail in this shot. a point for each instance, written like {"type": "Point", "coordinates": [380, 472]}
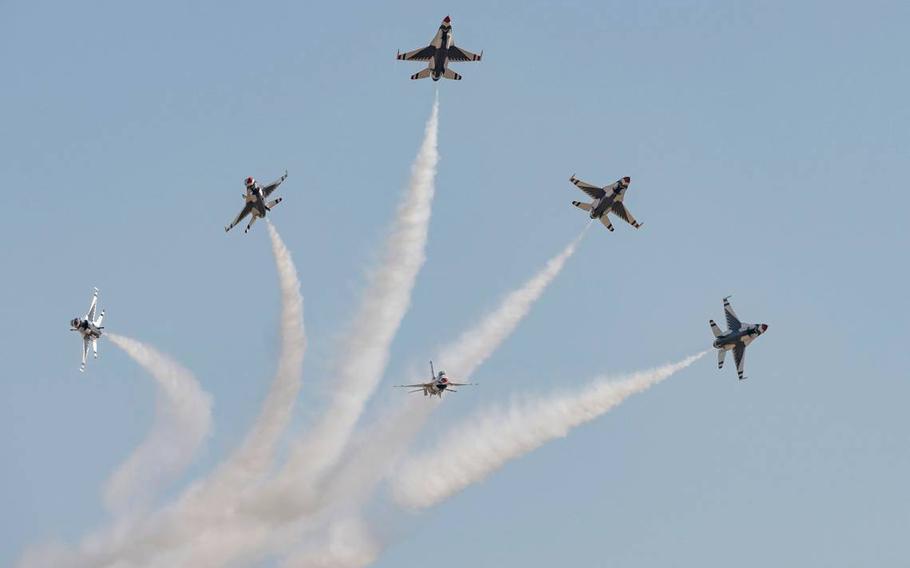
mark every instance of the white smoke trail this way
{"type": "Point", "coordinates": [476, 345]}
{"type": "Point", "coordinates": [294, 492]}
{"type": "Point", "coordinates": [183, 419]}
{"type": "Point", "coordinates": [210, 502]}
{"type": "Point", "coordinates": [384, 442]}
{"type": "Point", "coordinates": [486, 442]}
{"type": "Point", "coordinates": [348, 544]}
{"type": "Point", "coordinates": [254, 456]}
{"type": "Point", "coordinates": [386, 300]}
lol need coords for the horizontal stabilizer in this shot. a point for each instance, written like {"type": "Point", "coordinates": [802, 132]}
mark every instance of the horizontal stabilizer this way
{"type": "Point", "coordinates": [582, 206]}
{"type": "Point", "coordinates": [422, 74]}
{"type": "Point", "coordinates": [606, 222]}
{"type": "Point", "coordinates": [449, 74]}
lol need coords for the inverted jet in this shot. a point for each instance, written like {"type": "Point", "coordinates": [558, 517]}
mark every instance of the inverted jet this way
{"type": "Point", "coordinates": [607, 199]}
{"type": "Point", "coordinates": [438, 384]}
{"type": "Point", "coordinates": [89, 327]}
{"type": "Point", "coordinates": [438, 54]}
{"type": "Point", "coordinates": [737, 337]}
{"type": "Point", "coordinates": [255, 203]}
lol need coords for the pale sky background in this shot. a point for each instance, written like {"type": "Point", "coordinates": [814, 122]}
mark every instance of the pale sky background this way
{"type": "Point", "coordinates": [767, 144]}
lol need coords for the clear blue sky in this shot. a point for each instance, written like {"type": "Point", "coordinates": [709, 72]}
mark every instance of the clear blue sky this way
{"type": "Point", "coordinates": [768, 145]}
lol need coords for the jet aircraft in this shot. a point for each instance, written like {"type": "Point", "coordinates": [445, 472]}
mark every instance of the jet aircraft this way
{"type": "Point", "coordinates": [90, 328]}
{"type": "Point", "coordinates": [256, 205]}
{"type": "Point", "coordinates": [438, 384]}
{"type": "Point", "coordinates": [606, 200]}
{"type": "Point", "coordinates": [438, 54]}
{"type": "Point", "coordinates": [738, 336]}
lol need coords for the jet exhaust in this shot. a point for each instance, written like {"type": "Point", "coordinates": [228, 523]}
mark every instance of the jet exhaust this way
{"type": "Point", "coordinates": [490, 440]}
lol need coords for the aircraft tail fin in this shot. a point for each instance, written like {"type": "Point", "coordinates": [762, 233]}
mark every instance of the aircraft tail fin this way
{"type": "Point", "coordinates": [100, 319]}
{"type": "Point", "coordinates": [714, 328]}
{"type": "Point", "coordinates": [423, 74]}
{"type": "Point", "coordinates": [721, 353]}
{"type": "Point", "coordinates": [449, 74]}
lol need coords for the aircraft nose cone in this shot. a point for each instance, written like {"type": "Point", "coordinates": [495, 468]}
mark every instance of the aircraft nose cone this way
{"type": "Point", "coordinates": [447, 19]}
{"type": "Point", "coordinates": [627, 180]}
{"type": "Point", "coordinates": [764, 327]}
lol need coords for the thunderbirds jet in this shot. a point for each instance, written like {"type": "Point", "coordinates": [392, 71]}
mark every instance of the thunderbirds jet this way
{"type": "Point", "coordinates": [606, 200]}
{"type": "Point", "coordinates": [255, 201]}
{"type": "Point", "coordinates": [736, 338]}
{"type": "Point", "coordinates": [436, 386]}
{"type": "Point", "coordinates": [90, 328]}
{"type": "Point", "coordinates": [439, 53]}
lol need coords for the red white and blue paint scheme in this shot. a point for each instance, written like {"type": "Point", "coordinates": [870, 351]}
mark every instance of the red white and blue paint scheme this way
{"type": "Point", "coordinates": [89, 327]}
{"type": "Point", "coordinates": [439, 53]}
{"type": "Point", "coordinates": [256, 205]}
{"type": "Point", "coordinates": [438, 384]}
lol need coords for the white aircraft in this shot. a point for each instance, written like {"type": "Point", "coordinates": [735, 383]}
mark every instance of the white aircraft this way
{"type": "Point", "coordinates": [90, 328]}
{"type": "Point", "coordinates": [437, 385]}
{"type": "Point", "coordinates": [255, 201]}
{"type": "Point", "coordinates": [438, 54]}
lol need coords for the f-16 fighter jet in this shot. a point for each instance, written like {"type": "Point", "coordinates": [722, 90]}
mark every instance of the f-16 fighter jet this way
{"type": "Point", "coordinates": [255, 201]}
{"type": "Point", "coordinates": [436, 386]}
{"type": "Point", "coordinates": [606, 200]}
{"type": "Point", "coordinates": [90, 328]}
{"type": "Point", "coordinates": [736, 338]}
{"type": "Point", "coordinates": [439, 53]}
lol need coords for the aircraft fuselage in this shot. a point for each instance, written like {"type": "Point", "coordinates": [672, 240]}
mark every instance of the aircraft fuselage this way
{"type": "Point", "coordinates": [441, 42]}
{"type": "Point", "coordinates": [730, 340]}
{"type": "Point", "coordinates": [601, 206]}
{"type": "Point", "coordinates": [86, 328]}
{"type": "Point", "coordinates": [256, 197]}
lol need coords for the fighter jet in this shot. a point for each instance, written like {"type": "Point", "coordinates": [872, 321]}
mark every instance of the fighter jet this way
{"type": "Point", "coordinates": [736, 338]}
{"type": "Point", "coordinates": [436, 386]}
{"type": "Point", "coordinates": [255, 201]}
{"type": "Point", "coordinates": [90, 328]}
{"type": "Point", "coordinates": [438, 54]}
{"type": "Point", "coordinates": [606, 200]}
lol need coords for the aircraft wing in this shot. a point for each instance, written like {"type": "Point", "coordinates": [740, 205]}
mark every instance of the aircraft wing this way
{"type": "Point", "coordinates": [458, 54]}
{"type": "Point", "coordinates": [422, 54]}
{"type": "Point", "coordinates": [90, 315]}
{"type": "Point", "coordinates": [592, 190]}
{"type": "Point", "coordinates": [624, 214]}
{"type": "Point", "coordinates": [412, 386]}
{"type": "Point", "coordinates": [243, 213]}
{"type": "Point", "coordinates": [739, 355]}
{"type": "Point", "coordinates": [733, 322]}
{"type": "Point", "coordinates": [267, 190]}
{"type": "Point", "coordinates": [451, 384]}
